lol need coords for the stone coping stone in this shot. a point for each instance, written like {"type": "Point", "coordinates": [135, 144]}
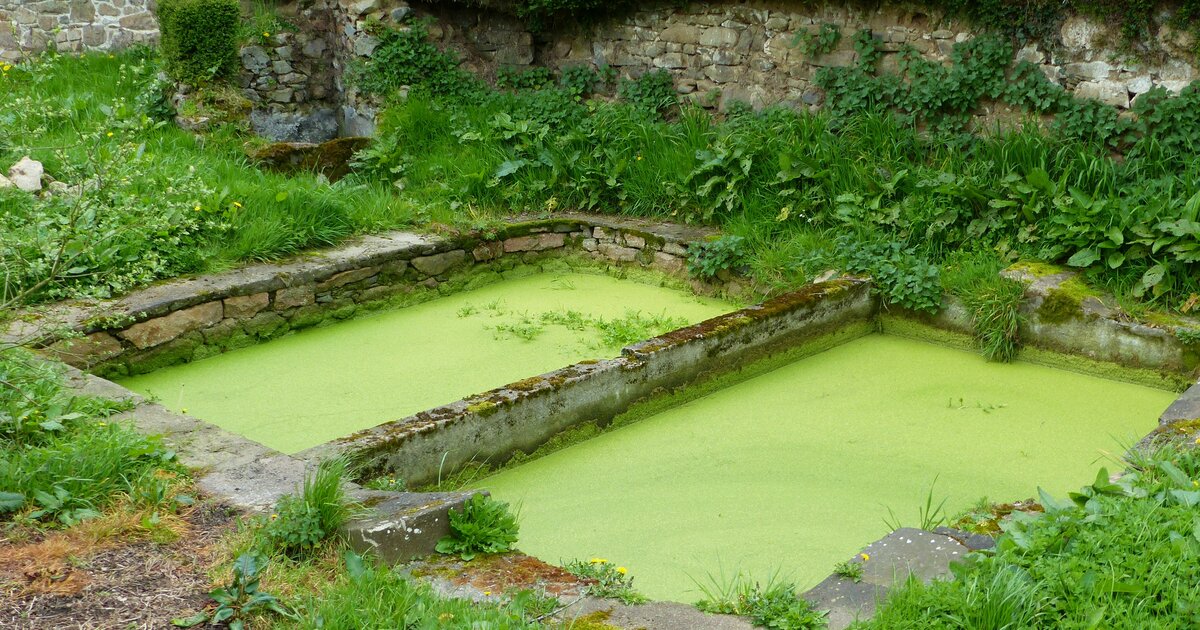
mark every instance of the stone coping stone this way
{"type": "Point", "coordinates": [402, 526]}
{"type": "Point", "coordinates": [891, 560]}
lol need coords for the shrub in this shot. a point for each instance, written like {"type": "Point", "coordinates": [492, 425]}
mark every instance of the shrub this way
{"type": "Point", "coordinates": [709, 258]}
{"type": "Point", "coordinates": [199, 38]}
{"type": "Point", "coordinates": [653, 91]}
{"type": "Point", "coordinates": [483, 525]}
{"type": "Point", "coordinates": [1122, 554]}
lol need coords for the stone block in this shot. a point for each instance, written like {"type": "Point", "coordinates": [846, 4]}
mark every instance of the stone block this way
{"type": "Point", "coordinates": [634, 241]}
{"type": "Point", "coordinates": [1108, 92]}
{"type": "Point", "coordinates": [160, 330]}
{"type": "Point", "coordinates": [1089, 70]}
{"type": "Point", "coordinates": [669, 264]}
{"type": "Point", "coordinates": [488, 251]}
{"type": "Point", "coordinates": [143, 21]}
{"type": "Point", "coordinates": [718, 36]}
{"type": "Point", "coordinates": [438, 264]}
{"type": "Point", "coordinates": [266, 325]}
{"type": "Point", "coordinates": [243, 306]}
{"type": "Point", "coordinates": [86, 351]}
{"type": "Point", "coordinates": [534, 242]}
{"type": "Point", "coordinates": [617, 252]}
{"type": "Point", "coordinates": [405, 527]}
{"type": "Point", "coordinates": [346, 277]}
{"type": "Point", "coordinates": [681, 33]}
{"type": "Point", "coordinates": [290, 297]}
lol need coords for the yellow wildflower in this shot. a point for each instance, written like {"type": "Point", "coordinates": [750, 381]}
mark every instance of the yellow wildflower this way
{"type": "Point", "coordinates": [864, 556]}
{"type": "Point", "coordinates": [183, 411]}
{"type": "Point", "coordinates": [274, 516]}
{"type": "Point", "coordinates": [103, 424]}
{"type": "Point", "coordinates": [266, 34]}
{"type": "Point", "coordinates": [487, 593]}
{"type": "Point", "coordinates": [197, 208]}
{"type": "Point", "coordinates": [237, 204]}
{"type": "Point", "coordinates": [597, 561]}
{"type": "Point", "coordinates": [622, 570]}
{"type": "Point", "coordinates": [109, 134]}
{"type": "Point", "coordinates": [446, 616]}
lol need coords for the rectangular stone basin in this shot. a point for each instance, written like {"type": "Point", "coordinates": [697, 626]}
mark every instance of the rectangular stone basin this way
{"type": "Point", "coordinates": [310, 387]}
{"type": "Point", "coordinates": [793, 470]}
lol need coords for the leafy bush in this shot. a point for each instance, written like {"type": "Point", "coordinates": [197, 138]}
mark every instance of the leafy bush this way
{"type": "Point", "coordinates": [610, 581]}
{"type": "Point", "coordinates": [1115, 554]}
{"type": "Point", "coordinates": [653, 91]}
{"type": "Point", "coordinates": [199, 38]}
{"type": "Point", "coordinates": [301, 523]}
{"type": "Point", "coordinates": [405, 57]}
{"type": "Point", "coordinates": [483, 525]}
{"type": "Point", "coordinates": [899, 275]}
{"type": "Point", "coordinates": [706, 259]}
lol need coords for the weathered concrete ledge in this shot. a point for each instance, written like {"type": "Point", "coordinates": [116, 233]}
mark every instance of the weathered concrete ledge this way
{"type": "Point", "coordinates": [493, 426]}
{"type": "Point", "coordinates": [193, 318]}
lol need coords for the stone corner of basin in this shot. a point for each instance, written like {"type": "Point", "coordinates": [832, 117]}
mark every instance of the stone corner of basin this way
{"type": "Point", "coordinates": [401, 526]}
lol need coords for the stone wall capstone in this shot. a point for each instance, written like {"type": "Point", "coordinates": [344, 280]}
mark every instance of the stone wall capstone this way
{"type": "Point", "coordinates": [33, 26]}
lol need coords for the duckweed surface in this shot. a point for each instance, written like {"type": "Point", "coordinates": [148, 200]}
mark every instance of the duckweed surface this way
{"type": "Point", "coordinates": [305, 389]}
{"type": "Point", "coordinates": [795, 470]}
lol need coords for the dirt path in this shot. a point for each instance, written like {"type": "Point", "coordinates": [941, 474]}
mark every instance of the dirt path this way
{"type": "Point", "coordinates": [61, 581]}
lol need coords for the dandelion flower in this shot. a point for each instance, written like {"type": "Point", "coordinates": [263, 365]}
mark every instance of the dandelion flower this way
{"type": "Point", "coordinates": [864, 556]}
{"type": "Point", "coordinates": [109, 134]}
{"type": "Point", "coordinates": [184, 410]}
{"type": "Point", "coordinates": [274, 516]}
{"type": "Point", "coordinates": [237, 204]}
{"type": "Point", "coordinates": [266, 34]}
{"type": "Point", "coordinates": [622, 570]}
{"type": "Point", "coordinates": [197, 208]}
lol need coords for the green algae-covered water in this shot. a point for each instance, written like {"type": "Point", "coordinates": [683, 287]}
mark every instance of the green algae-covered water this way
{"type": "Point", "coordinates": [305, 389]}
{"type": "Point", "coordinates": [794, 471]}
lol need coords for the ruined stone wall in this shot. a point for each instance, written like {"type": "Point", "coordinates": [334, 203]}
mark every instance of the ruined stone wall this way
{"type": "Point", "coordinates": [32, 26]}
{"type": "Point", "coordinates": [746, 51]}
{"type": "Point", "coordinates": [722, 51]}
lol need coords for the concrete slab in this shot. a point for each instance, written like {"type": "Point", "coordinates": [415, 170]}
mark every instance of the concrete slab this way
{"type": "Point", "coordinates": [886, 562]}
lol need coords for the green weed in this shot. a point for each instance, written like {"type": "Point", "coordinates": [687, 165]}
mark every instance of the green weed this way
{"type": "Point", "coordinates": [482, 525]}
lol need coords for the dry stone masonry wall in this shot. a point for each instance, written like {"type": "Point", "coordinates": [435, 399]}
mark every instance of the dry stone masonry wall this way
{"type": "Point", "coordinates": [32, 26]}
{"type": "Point", "coordinates": [187, 320]}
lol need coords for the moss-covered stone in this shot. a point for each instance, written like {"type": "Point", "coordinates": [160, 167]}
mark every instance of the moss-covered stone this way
{"type": "Point", "coordinates": [1060, 306]}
